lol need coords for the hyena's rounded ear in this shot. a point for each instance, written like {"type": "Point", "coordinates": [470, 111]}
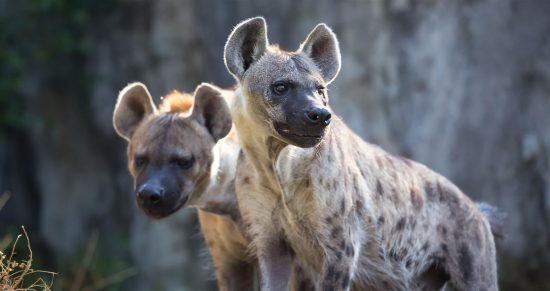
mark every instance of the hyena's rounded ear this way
{"type": "Point", "coordinates": [212, 110]}
{"type": "Point", "coordinates": [245, 45]}
{"type": "Point", "coordinates": [133, 105]}
{"type": "Point", "coordinates": [322, 46]}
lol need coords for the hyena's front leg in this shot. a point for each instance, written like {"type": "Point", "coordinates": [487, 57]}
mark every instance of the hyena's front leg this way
{"type": "Point", "coordinates": [300, 281]}
{"type": "Point", "coordinates": [275, 261]}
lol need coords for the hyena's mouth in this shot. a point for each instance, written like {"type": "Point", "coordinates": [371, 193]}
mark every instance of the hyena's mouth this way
{"type": "Point", "coordinates": [288, 132]}
{"type": "Point", "coordinates": [164, 209]}
{"type": "Point", "coordinates": [299, 138]}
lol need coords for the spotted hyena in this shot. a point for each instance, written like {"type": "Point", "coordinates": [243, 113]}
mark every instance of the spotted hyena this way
{"type": "Point", "coordinates": [344, 213]}
{"type": "Point", "coordinates": [180, 157]}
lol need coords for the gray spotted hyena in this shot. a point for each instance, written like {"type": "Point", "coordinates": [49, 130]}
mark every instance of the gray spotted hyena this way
{"type": "Point", "coordinates": [180, 157]}
{"type": "Point", "coordinates": [342, 212]}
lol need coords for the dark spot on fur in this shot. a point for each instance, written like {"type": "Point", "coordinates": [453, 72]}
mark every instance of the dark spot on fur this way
{"type": "Point", "coordinates": [345, 282]}
{"type": "Point", "coordinates": [368, 244]}
{"type": "Point", "coordinates": [381, 220]}
{"type": "Point", "coordinates": [331, 219]}
{"type": "Point", "coordinates": [343, 244]}
{"type": "Point", "coordinates": [400, 224]}
{"type": "Point", "coordinates": [408, 263]}
{"type": "Point", "coordinates": [447, 194]}
{"type": "Point", "coordinates": [442, 230]}
{"type": "Point", "coordinates": [416, 200]}
{"type": "Point", "coordinates": [430, 191]}
{"type": "Point", "coordinates": [443, 192]}
{"type": "Point", "coordinates": [396, 256]}
{"type": "Point", "coordinates": [359, 207]}
{"type": "Point", "coordinates": [330, 272]}
{"type": "Point", "coordinates": [336, 232]}
{"type": "Point", "coordinates": [246, 180]}
{"type": "Point", "coordinates": [425, 246]}
{"type": "Point", "coordinates": [338, 255]}
{"type": "Point", "coordinates": [379, 188]}
{"type": "Point", "coordinates": [343, 206]}
{"type": "Point", "coordinates": [465, 262]}
{"type": "Point", "coordinates": [334, 274]}
{"type": "Point", "coordinates": [363, 173]}
{"type": "Point", "coordinates": [307, 182]}
{"type": "Point", "coordinates": [444, 248]}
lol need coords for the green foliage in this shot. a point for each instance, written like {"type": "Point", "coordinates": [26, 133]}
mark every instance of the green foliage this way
{"type": "Point", "coordinates": [41, 38]}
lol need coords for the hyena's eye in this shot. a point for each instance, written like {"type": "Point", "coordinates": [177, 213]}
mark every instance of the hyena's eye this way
{"type": "Point", "coordinates": [280, 88]}
{"type": "Point", "coordinates": [140, 161]}
{"type": "Point", "coordinates": [183, 163]}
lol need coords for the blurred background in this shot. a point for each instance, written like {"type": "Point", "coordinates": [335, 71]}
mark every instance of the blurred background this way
{"type": "Point", "coordinates": [461, 86]}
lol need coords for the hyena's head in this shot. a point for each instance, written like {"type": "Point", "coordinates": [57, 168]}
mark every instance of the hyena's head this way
{"type": "Point", "coordinates": [285, 92]}
{"type": "Point", "coordinates": [170, 149]}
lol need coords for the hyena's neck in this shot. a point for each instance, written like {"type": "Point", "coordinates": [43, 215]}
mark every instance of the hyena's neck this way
{"type": "Point", "coordinates": [219, 195]}
{"type": "Point", "coordinates": [261, 149]}
{"type": "Point", "coordinates": [265, 152]}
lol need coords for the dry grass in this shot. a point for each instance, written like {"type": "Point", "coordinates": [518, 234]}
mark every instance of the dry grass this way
{"type": "Point", "coordinates": [18, 274]}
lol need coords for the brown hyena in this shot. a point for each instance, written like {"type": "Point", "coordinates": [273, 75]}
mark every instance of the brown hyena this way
{"type": "Point", "coordinates": [181, 158]}
{"type": "Point", "coordinates": [344, 213]}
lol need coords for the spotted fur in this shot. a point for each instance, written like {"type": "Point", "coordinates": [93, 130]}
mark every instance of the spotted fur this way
{"type": "Point", "coordinates": [345, 214]}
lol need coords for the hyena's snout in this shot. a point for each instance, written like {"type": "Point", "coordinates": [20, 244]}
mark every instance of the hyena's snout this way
{"type": "Point", "coordinates": [158, 199]}
{"type": "Point", "coordinates": [149, 195]}
{"type": "Point", "coordinates": [319, 116]}
{"type": "Point", "coordinates": [305, 128]}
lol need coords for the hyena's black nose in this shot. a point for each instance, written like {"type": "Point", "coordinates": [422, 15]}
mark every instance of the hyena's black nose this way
{"type": "Point", "coordinates": [149, 194]}
{"type": "Point", "coordinates": [319, 115]}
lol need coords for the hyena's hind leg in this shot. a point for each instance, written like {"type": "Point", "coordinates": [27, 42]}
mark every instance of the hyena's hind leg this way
{"type": "Point", "coordinates": [235, 270]}
{"type": "Point", "coordinates": [471, 263]}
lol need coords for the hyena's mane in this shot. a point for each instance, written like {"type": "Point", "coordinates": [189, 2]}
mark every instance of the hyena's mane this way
{"type": "Point", "coordinates": [177, 102]}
